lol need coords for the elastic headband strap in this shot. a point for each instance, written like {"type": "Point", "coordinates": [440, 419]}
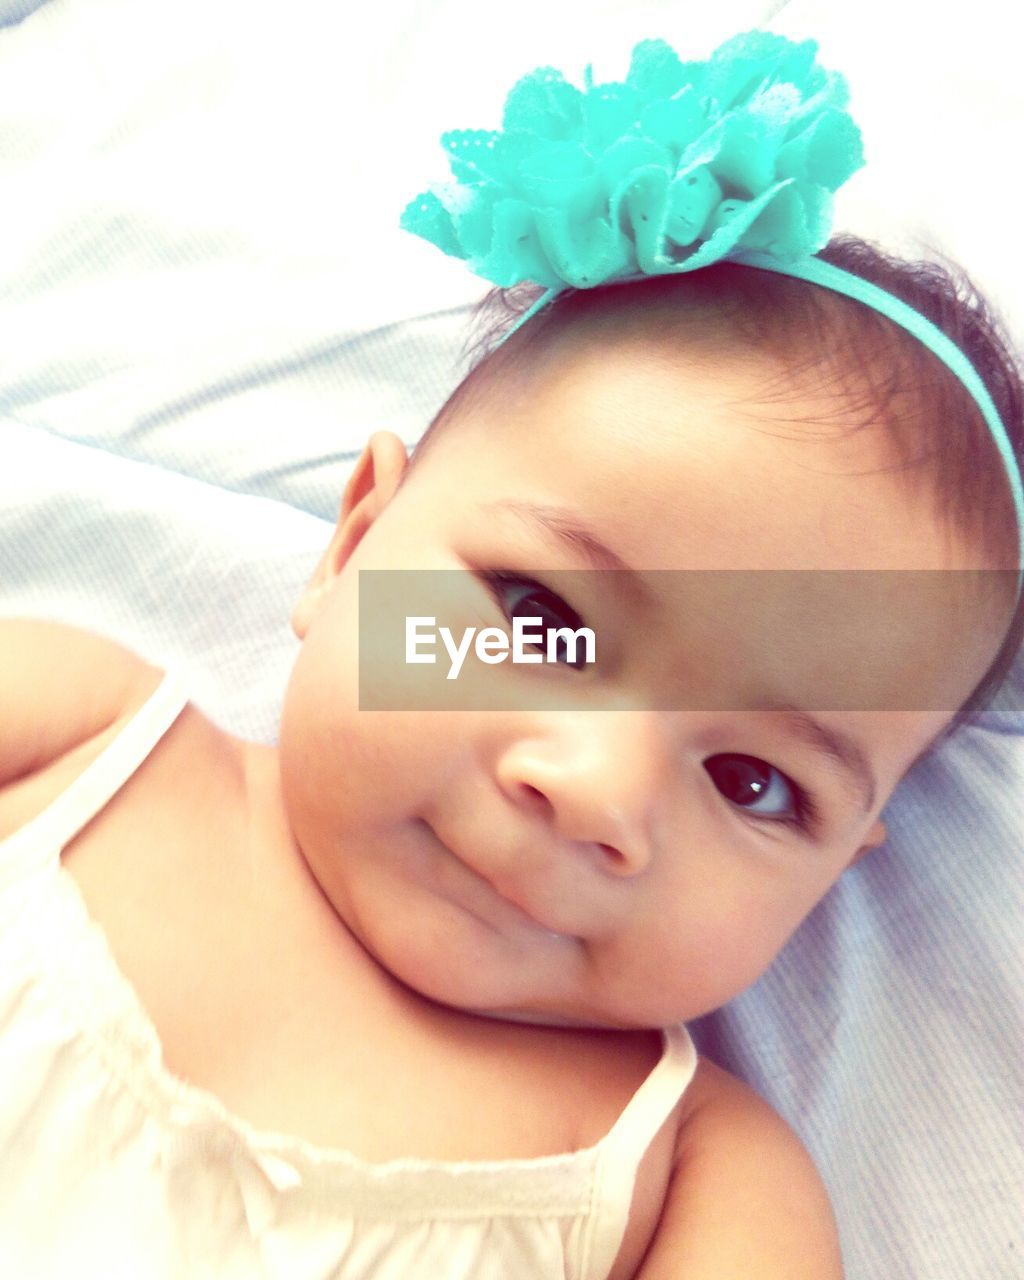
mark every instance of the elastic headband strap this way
{"type": "Point", "coordinates": [818, 271]}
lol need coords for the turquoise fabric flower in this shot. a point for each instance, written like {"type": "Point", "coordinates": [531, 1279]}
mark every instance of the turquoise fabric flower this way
{"type": "Point", "coordinates": [678, 166]}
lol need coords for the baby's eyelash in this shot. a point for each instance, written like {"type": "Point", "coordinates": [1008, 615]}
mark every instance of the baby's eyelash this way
{"type": "Point", "coordinates": [509, 578]}
{"type": "Point", "coordinates": [498, 580]}
{"type": "Point", "coordinates": [807, 817]}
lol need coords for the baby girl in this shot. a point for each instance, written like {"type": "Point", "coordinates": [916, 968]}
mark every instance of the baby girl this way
{"type": "Point", "coordinates": [405, 994]}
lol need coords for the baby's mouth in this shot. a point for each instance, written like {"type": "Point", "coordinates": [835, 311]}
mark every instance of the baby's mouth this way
{"type": "Point", "coordinates": [479, 895]}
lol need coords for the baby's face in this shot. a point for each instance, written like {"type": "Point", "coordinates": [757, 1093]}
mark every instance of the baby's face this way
{"type": "Point", "coordinates": [621, 867]}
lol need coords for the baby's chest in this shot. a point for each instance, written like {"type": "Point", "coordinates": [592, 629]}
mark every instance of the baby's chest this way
{"type": "Point", "coordinates": [330, 1056]}
{"type": "Point", "coordinates": [382, 1090]}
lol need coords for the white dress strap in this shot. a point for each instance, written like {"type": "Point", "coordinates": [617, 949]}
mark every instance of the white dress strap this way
{"type": "Point", "coordinates": [39, 842]}
{"type": "Point", "coordinates": [624, 1146]}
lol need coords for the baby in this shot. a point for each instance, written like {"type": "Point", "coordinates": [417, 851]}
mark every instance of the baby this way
{"type": "Point", "coordinates": [404, 995]}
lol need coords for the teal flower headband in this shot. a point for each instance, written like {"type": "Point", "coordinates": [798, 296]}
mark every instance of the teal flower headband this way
{"type": "Point", "coordinates": [680, 165]}
{"type": "Point", "coordinates": [674, 168]}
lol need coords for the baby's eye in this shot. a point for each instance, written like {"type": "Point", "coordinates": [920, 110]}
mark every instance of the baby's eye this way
{"type": "Point", "coordinates": [521, 597]}
{"type": "Point", "coordinates": [745, 779]}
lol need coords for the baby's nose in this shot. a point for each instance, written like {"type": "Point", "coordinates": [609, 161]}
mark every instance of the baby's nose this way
{"type": "Point", "coordinates": [594, 776]}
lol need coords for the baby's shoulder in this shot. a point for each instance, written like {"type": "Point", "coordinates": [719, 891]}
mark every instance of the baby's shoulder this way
{"type": "Point", "coordinates": [65, 695]}
{"type": "Point", "coordinates": [60, 687]}
{"type": "Point", "coordinates": [744, 1196]}
{"type": "Point", "coordinates": [721, 1113]}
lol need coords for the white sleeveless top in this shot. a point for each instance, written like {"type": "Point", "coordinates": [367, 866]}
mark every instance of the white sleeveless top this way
{"type": "Point", "coordinates": [111, 1166]}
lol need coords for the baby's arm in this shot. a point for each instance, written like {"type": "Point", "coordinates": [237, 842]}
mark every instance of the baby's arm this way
{"type": "Point", "coordinates": [745, 1199]}
{"type": "Point", "coordinates": [59, 687]}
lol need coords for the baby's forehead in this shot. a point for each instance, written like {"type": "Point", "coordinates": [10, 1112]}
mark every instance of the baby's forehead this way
{"type": "Point", "coordinates": [631, 358]}
{"type": "Point", "coordinates": [674, 424]}
{"type": "Point", "coordinates": [620, 408]}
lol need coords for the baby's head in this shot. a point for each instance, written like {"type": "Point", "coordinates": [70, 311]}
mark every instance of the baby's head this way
{"type": "Point", "coordinates": [630, 843]}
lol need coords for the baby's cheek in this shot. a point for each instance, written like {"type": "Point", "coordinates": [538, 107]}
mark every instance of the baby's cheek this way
{"type": "Point", "coordinates": [729, 945]}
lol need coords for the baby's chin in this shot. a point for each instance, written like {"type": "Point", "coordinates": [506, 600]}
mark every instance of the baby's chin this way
{"type": "Point", "coordinates": [444, 994]}
{"type": "Point", "coordinates": [557, 1020]}
{"type": "Point", "coordinates": [455, 982]}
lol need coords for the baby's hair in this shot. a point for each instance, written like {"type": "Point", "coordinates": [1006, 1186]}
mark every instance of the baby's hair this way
{"type": "Point", "coordinates": [861, 367]}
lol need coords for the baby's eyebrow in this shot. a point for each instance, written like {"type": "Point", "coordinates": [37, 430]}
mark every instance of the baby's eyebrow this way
{"type": "Point", "coordinates": [567, 526]}
{"type": "Point", "coordinates": [839, 750]}
{"type": "Point", "coordinates": [844, 753]}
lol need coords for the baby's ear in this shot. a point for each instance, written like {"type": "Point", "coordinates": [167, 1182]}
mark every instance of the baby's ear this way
{"type": "Point", "coordinates": [876, 836]}
{"type": "Point", "coordinates": [374, 480]}
{"type": "Point", "coordinates": [371, 486]}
